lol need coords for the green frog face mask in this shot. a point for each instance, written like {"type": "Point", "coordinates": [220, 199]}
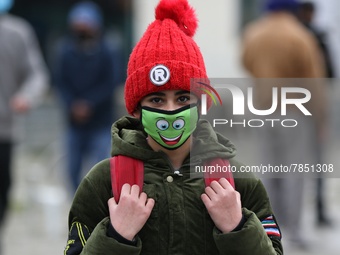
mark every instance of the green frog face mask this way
{"type": "Point", "coordinates": [170, 129]}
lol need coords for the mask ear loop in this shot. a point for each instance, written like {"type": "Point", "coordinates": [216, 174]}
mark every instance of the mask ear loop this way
{"type": "Point", "coordinates": [198, 104]}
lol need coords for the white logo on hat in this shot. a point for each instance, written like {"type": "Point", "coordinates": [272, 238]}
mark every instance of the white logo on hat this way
{"type": "Point", "coordinates": [159, 75]}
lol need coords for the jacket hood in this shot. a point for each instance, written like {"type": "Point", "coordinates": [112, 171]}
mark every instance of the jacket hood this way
{"type": "Point", "coordinates": [129, 139]}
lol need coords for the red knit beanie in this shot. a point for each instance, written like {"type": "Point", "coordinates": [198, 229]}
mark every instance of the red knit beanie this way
{"type": "Point", "coordinates": [166, 57]}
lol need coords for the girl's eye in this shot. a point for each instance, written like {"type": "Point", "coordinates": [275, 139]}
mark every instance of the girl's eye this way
{"type": "Point", "coordinates": [162, 125]}
{"type": "Point", "coordinates": [156, 100]}
{"type": "Point", "coordinates": [178, 124]}
{"type": "Point", "coordinates": [183, 99]}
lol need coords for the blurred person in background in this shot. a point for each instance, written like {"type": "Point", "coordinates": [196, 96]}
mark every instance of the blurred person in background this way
{"type": "Point", "coordinates": [306, 14]}
{"type": "Point", "coordinates": [23, 82]}
{"type": "Point", "coordinates": [278, 46]}
{"type": "Point", "coordinates": [86, 72]}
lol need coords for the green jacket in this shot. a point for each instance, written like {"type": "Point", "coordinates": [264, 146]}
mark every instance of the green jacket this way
{"type": "Point", "coordinates": [179, 222]}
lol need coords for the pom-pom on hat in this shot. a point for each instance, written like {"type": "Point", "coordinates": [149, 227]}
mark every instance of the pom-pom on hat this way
{"type": "Point", "coordinates": [166, 57]}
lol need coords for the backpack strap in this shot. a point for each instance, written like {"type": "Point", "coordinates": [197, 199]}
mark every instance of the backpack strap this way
{"type": "Point", "coordinates": [130, 170]}
{"type": "Point", "coordinates": [224, 165]}
{"type": "Point", "coordinates": [125, 170]}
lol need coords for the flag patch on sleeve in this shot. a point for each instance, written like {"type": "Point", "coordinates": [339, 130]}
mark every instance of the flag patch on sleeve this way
{"type": "Point", "coordinates": [270, 226]}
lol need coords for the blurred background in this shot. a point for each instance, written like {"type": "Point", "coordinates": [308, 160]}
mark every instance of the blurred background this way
{"type": "Point", "coordinates": [41, 194]}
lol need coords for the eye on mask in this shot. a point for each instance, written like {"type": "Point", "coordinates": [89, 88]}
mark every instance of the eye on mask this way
{"type": "Point", "coordinates": [170, 129]}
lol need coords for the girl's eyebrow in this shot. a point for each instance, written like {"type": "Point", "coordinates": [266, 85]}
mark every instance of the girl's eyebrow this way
{"type": "Point", "coordinates": [182, 92]}
{"type": "Point", "coordinates": [156, 94]}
